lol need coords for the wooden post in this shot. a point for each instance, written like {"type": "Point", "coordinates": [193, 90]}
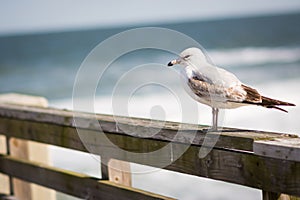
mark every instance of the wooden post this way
{"type": "Point", "coordinates": [4, 179]}
{"type": "Point", "coordinates": [119, 172]}
{"type": "Point", "coordinates": [28, 150]}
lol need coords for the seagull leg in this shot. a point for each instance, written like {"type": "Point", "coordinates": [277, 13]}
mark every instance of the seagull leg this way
{"type": "Point", "coordinates": [215, 112]}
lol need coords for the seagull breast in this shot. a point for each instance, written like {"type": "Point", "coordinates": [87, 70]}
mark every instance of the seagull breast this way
{"type": "Point", "coordinates": [215, 91]}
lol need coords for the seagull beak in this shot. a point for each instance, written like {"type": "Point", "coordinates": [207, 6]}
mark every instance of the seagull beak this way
{"type": "Point", "coordinates": [174, 62]}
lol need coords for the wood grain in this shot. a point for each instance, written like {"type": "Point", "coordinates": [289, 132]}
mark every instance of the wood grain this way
{"type": "Point", "coordinates": [166, 131]}
{"type": "Point", "coordinates": [281, 148]}
{"type": "Point", "coordinates": [232, 159]}
{"type": "Point", "coordinates": [71, 183]}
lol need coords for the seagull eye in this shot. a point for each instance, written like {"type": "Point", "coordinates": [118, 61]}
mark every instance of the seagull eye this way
{"type": "Point", "coordinates": [186, 57]}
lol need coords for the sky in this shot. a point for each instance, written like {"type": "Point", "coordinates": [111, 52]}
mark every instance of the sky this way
{"type": "Point", "coordinates": [41, 16]}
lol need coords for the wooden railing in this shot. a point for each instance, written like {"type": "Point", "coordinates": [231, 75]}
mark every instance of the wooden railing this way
{"type": "Point", "coordinates": [263, 160]}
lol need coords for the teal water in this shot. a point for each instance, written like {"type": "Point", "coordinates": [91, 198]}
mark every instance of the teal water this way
{"type": "Point", "coordinates": [46, 64]}
{"type": "Point", "coordinates": [262, 51]}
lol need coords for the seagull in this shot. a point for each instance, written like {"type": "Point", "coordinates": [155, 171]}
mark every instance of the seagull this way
{"type": "Point", "coordinates": [218, 88]}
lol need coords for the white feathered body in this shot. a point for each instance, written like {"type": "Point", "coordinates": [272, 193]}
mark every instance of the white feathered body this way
{"type": "Point", "coordinates": [216, 87]}
{"type": "Point", "coordinates": [219, 94]}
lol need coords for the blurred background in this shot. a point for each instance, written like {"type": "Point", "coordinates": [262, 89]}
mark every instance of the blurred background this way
{"type": "Point", "coordinates": [43, 43]}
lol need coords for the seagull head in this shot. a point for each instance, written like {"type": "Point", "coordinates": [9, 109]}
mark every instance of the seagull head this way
{"type": "Point", "coordinates": [190, 56]}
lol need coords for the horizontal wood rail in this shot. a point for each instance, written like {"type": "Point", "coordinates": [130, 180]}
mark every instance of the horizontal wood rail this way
{"type": "Point", "coordinates": [72, 183]}
{"type": "Point", "coordinates": [263, 160]}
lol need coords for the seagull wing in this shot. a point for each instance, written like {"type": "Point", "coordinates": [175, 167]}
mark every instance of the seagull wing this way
{"type": "Point", "coordinates": [240, 94]}
{"type": "Point", "coordinates": [253, 97]}
{"type": "Point", "coordinates": [204, 88]}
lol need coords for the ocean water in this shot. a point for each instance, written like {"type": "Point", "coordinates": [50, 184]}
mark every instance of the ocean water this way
{"type": "Point", "coordinates": [264, 52]}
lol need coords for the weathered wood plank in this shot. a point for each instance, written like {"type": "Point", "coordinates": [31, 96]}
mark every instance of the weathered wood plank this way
{"type": "Point", "coordinates": [231, 159]}
{"type": "Point", "coordinates": [243, 168]}
{"type": "Point", "coordinates": [281, 148]}
{"type": "Point", "coordinates": [42, 132]}
{"type": "Point", "coordinates": [70, 182]}
{"type": "Point", "coordinates": [269, 174]}
{"type": "Point", "coordinates": [166, 131]}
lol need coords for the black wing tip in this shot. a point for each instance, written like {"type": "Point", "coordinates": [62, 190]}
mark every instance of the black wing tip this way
{"type": "Point", "coordinates": [273, 103]}
{"type": "Point", "coordinates": [291, 104]}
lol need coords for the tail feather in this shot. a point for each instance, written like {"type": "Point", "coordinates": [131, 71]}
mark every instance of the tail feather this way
{"type": "Point", "coordinates": [273, 103]}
